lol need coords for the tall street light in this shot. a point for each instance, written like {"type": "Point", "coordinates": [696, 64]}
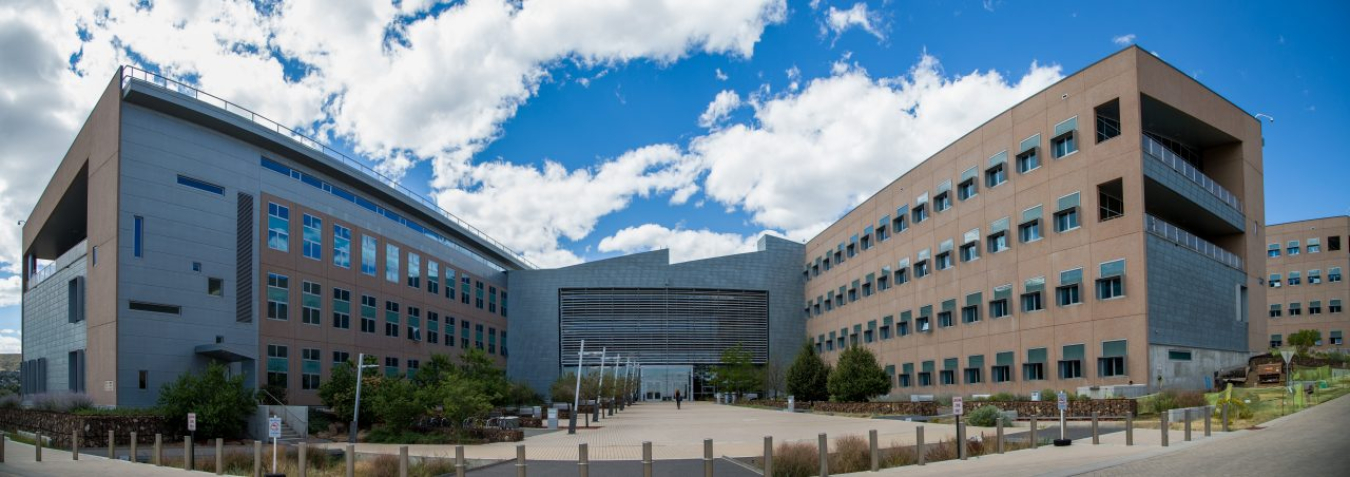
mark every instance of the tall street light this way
{"type": "Point", "coordinates": [356, 411]}
{"type": "Point", "coordinates": [576, 398]}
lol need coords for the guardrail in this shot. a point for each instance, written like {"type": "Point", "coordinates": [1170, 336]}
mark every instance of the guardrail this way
{"type": "Point", "coordinates": [1155, 150]}
{"type": "Point", "coordinates": [130, 73]}
{"type": "Point", "coordinates": [1186, 239]}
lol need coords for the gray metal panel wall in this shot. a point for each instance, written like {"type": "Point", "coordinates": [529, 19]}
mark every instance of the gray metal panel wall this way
{"type": "Point", "coordinates": [47, 332]}
{"type": "Point", "coordinates": [534, 322]}
{"type": "Point", "coordinates": [665, 325]}
{"type": "Point", "coordinates": [1192, 300]}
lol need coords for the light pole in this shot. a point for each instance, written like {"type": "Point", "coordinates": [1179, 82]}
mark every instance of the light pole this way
{"type": "Point", "coordinates": [356, 411]}
{"type": "Point", "coordinates": [600, 388]}
{"type": "Point", "coordinates": [576, 398]}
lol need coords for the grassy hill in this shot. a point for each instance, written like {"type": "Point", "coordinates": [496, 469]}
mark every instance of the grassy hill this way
{"type": "Point", "coordinates": [9, 362]}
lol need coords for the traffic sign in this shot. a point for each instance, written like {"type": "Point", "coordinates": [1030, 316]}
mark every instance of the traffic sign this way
{"type": "Point", "coordinates": [1287, 354]}
{"type": "Point", "coordinates": [274, 427]}
{"type": "Point", "coordinates": [1063, 401]}
{"type": "Point", "coordinates": [192, 421]}
{"type": "Point", "coordinates": [957, 407]}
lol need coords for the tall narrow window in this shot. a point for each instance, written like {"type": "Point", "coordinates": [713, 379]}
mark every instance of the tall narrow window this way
{"type": "Point", "coordinates": [309, 368]}
{"type": "Point", "coordinates": [1110, 200]}
{"type": "Point", "coordinates": [342, 246]}
{"type": "Point", "coordinates": [414, 271]}
{"type": "Point", "coordinates": [278, 366]}
{"type": "Point", "coordinates": [278, 227]}
{"type": "Point", "coordinates": [368, 255]}
{"type": "Point", "coordinates": [313, 237]}
{"type": "Point", "coordinates": [138, 236]}
{"type": "Point", "coordinates": [368, 314]}
{"type": "Point", "coordinates": [1031, 294]}
{"type": "Point", "coordinates": [311, 295]}
{"type": "Point", "coordinates": [414, 323]}
{"type": "Point", "coordinates": [391, 259]}
{"type": "Point", "coordinates": [433, 277]}
{"type": "Point", "coordinates": [1108, 120]}
{"type": "Point", "coordinates": [997, 173]}
{"type": "Point", "coordinates": [1071, 362]}
{"type": "Point", "coordinates": [1030, 228]}
{"type": "Point", "coordinates": [278, 296]}
{"type": "Point", "coordinates": [1111, 280]}
{"type": "Point", "coordinates": [75, 300]}
{"type": "Point", "coordinates": [1112, 361]}
{"type": "Point", "coordinates": [433, 327]}
{"type": "Point", "coordinates": [450, 283]}
{"type": "Point", "coordinates": [342, 308]}
{"type": "Point", "coordinates": [391, 319]}
{"type": "Point", "coordinates": [968, 187]}
{"type": "Point", "coordinates": [1067, 293]}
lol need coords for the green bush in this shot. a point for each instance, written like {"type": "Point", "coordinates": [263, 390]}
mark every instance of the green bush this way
{"type": "Point", "coordinates": [338, 392]}
{"type": "Point", "coordinates": [858, 376]}
{"type": "Point", "coordinates": [222, 403]}
{"type": "Point", "coordinates": [987, 416]}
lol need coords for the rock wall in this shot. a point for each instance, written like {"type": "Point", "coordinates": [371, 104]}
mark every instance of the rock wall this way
{"type": "Point", "coordinates": [1103, 407]}
{"type": "Point", "coordinates": [93, 429]}
{"type": "Point", "coordinates": [893, 408]}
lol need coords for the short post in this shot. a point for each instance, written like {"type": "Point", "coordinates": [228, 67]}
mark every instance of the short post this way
{"type": "Point", "coordinates": [583, 460]}
{"type": "Point", "coordinates": [112, 445]}
{"type": "Point", "coordinates": [918, 444]}
{"type": "Point", "coordinates": [1129, 428]}
{"type": "Point", "coordinates": [520, 460]}
{"type": "Point", "coordinates": [998, 435]}
{"type": "Point", "coordinates": [1096, 437]}
{"type": "Point", "coordinates": [646, 458]}
{"type": "Point", "coordinates": [220, 457]}
{"type": "Point", "coordinates": [768, 455]}
{"type": "Point", "coordinates": [872, 448]}
{"type": "Point", "coordinates": [351, 460]}
{"type": "Point", "coordinates": [300, 462]}
{"type": "Point", "coordinates": [74, 445]}
{"type": "Point", "coordinates": [961, 440]}
{"type": "Point", "coordinates": [1209, 416]}
{"type": "Point", "coordinates": [4, 439]}
{"type": "Point", "coordinates": [707, 458]}
{"type": "Point", "coordinates": [37, 448]}
{"type": "Point", "coordinates": [257, 458]}
{"type": "Point", "coordinates": [158, 458]}
{"type": "Point", "coordinates": [1225, 417]}
{"type": "Point", "coordinates": [402, 461]}
{"type": "Point", "coordinates": [1163, 417]}
{"type": "Point", "coordinates": [460, 466]}
{"type": "Point", "coordinates": [1034, 441]}
{"type": "Point", "coordinates": [187, 453]}
{"type": "Point", "coordinates": [1186, 414]}
{"type": "Point", "coordinates": [823, 444]}
{"type": "Point", "coordinates": [134, 455]}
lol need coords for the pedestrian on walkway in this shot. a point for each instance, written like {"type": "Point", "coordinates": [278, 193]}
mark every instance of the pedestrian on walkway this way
{"type": "Point", "coordinates": [678, 398]}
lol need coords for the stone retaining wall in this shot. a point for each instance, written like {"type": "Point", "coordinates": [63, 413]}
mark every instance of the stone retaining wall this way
{"type": "Point", "coordinates": [93, 429]}
{"type": "Point", "coordinates": [1025, 409]}
{"type": "Point", "coordinates": [893, 408]}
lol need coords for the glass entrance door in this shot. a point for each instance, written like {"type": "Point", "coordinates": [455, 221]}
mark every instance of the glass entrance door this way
{"type": "Point", "coordinates": [660, 382]}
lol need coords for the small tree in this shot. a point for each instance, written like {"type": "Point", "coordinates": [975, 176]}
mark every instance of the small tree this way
{"type": "Point", "coordinates": [398, 403]}
{"type": "Point", "coordinates": [222, 403]}
{"type": "Point", "coordinates": [476, 365]}
{"type": "Point", "coordinates": [1304, 339]}
{"type": "Point", "coordinates": [338, 392]}
{"type": "Point", "coordinates": [774, 378]}
{"type": "Point", "coordinates": [737, 373]}
{"type": "Point", "coordinates": [858, 376]}
{"type": "Point", "coordinates": [459, 399]}
{"type": "Point", "coordinates": [808, 377]}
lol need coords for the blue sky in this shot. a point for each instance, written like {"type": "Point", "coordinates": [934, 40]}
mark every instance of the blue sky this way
{"type": "Point", "coordinates": [573, 133]}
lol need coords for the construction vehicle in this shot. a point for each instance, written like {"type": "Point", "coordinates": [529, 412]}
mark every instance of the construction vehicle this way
{"type": "Point", "coordinates": [1270, 373]}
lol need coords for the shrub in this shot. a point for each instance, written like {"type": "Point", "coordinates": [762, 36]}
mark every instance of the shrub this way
{"type": "Point", "coordinates": [851, 454]}
{"type": "Point", "coordinates": [1191, 399]}
{"type": "Point", "coordinates": [62, 402]}
{"type": "Point", "coordinates": [858, 376]}
{"type": "Point", "coordinates": [898, 456]}
{"type": "Point", "coordinates": [222, 403]}
{"type": "Point", "coordinates": [396, 404]}
{"type": "Point", "coordinates": [1003, 397]}
{"type": "Point", "coordinates": [795, 459]}
{"type": "Point", "coordinates": [338, 392]}
{"type": "Point", "coordinates": [1048, 394]}
{"type": "Point", "coordinates": [10, 401]}
{"type": "Point", "coordinates": [943, 450]}
{"type": "Point", "coordinates": [808, 377]}
{"type": "Point", "coordinates": [987, 416]}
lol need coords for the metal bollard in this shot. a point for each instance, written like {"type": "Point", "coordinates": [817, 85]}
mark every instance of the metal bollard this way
{"type": "Point", "coordinates": [1225, 417]}
{"type": "Point", "coordinates": [74, 445]}
{"type": "Point", "coordinates": [823, 444]}
{"type": "Point", "coordinates": [998, 435]}
{"type": "Point", "coordinates": [257, 458]}
{"type": "Point", "coordinates": [520, 460]}
{"type": "Point", "coordinates": [1163, 417]}
{"type": "Point", "coordinates": [37, 448]}
{"type": "Point", "coordinates": [220, 457]}
{"type": "Point", "coordinates": [300, 461]}
{"type": "Point", "coordinates": [158, 458]}
{"type": "Point", "coordinates": [919, 451]}
{"type": "Point", "coordinates": [112, 445]}
{"type": "Point", "coordinates": [1034, 441]}
{"type": "Point", "coordinates": [1187, 416]}
{"type": "Point", "coordinates": [187, 453]}
{"type": "Point", "coordinates": [402, 461]}
{"type": "Point", "coordinates": [583, 460]}
{"type": "Point", "coordinates": [351, 460]}
{"type": "Point", "coordinates": [460, 465]}
{"type": "Point", "coordinates": [1129, 428]}
{"type": "Point", "coordinates": [646, 459]}
{"type": "Point", "coordinates": [1209, 416]}
{"type": "Point", "coordinates": [872, 447]}
{"type": "Point", "coordinates": [1096, 436]}
{"type": "Point", "coordinates": [707, 458]}
{"type": "Point", "coordinates": [4, 439]}
{"type": "Point", "coordinates": [133, 452]}
{"type": "Point", "coordinates": [768, 456]}
{"type": "Point", "coordinates": [961, 443]}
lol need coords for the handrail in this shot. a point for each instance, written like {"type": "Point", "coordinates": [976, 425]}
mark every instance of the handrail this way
{"type": "Point", "coordinates": [1181, 237]}
{"type": "Point", "coordinates": [155, 79]}
{"type": "Point", "coordinates": [286, 409]}
{"type": "Point", "coordinates": [1156, 150]}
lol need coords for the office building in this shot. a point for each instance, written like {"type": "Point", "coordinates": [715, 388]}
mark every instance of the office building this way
{"type": "Point", "coordinates": [1306, 286]}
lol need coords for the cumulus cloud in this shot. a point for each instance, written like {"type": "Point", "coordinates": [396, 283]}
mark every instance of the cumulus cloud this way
{"type": "Point", "coordinates": [808, 157]}
{"type": "Point", "coordinates": [684, 245]}
{"type": "Point", "coordinates": [839, 21]}
{"type": "Point", "coordinates": [722, 105]}
{"type": "Point", "coordinates": [1124, 40]}
{"type": "Point", "coordinates": [10, 291]}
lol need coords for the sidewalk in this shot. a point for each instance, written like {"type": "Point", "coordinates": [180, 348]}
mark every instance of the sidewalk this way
{"type": "Point", "coordinates": [20, 460]}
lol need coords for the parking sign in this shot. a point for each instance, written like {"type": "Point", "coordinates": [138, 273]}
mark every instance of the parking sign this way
{"type": "Point", "coordinates": [274, 427]}
{"type": "Point", "coordinates": [1063, 401]}
{"type": "Point", "coordinates": [192, 421]}
{"type": "Point", "coordinates": [957, 407]}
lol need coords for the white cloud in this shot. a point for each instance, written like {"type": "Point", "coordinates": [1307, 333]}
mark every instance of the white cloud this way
{"type": "Point", "coordinates": [9, 331]}
{"type": "Point", "coordinates": [718, 110]}
{"type": "Point", "coordinates": [794, 75]}
{"type": "Point", "coordinates": [10, 291]}
{"type": "Point", "coordinates": [1124, 40]}
{"type": "Point", "coordinates": [808, 157]}
{"type": "Point", "coordinates": [720, 75]}
{"type": "Point", "coordinates": [838, 21]}
{"type": "Point", "coordinates": [684, 245]}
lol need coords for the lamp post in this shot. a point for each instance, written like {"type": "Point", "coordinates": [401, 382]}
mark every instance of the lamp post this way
{"type": "Point", "coordinates": [356, 411]}
{"type": "Point", "coordinates": [576, 398]}
{"type": "Point", "coordinates": [599, 388]}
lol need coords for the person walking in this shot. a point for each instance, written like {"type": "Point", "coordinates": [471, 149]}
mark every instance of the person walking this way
{"type": "Point", "coordinates": [678, 398]}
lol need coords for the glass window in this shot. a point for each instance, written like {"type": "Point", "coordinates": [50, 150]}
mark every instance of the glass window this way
{"type": "Point", "coordinates": [998, 242]}
{"type": "Point", "coordinates": [342, 246]}
{"type": "Point", "coordinates": [391, 367]}
{"type": "Point", "coordinates": [944, 260]}
{"type": "Point", "coordinates": [1066, 220]}
{"type": "Point", "coordinates": [433, 277]}
{"type": "Point", "coordinates": [1028, 161]}
{"type": "Point", "coordinates": [942, 201]}
{"type": "Point", "coordinates": [970, 314]}
{"type": "Point", "coordinates": [967, 189]}
{"type": "Point", "coordinates": [342, 308]}
{"type": "Point", "coordinates": [1064, 145]}
{"type": "Point", "coordinates": [1067, 295]}
{"type": "Point", "coordinates": [278, 366]}
{"type": "Point", "coordinates": [1274, 250]}
{"type": "Point", "coordinates": [313, 237]}
{"type": "Point", "coordinates": [391, 319]}
{"type": "Point", "coordinates": [309, 368]}
{"type": "Point", "coordinates": [1334, 274]}
{"type": "Point", "coordinates": [368, 257]}
{"type": "Point", "coordinates": [414, 270]}
{"type": "Point", "coordinates": [1032, 302]}
{"type": "Point", "coordinates": [999, 308]}
{"type": "Point", "coordinates": [1295, 309]}
{"type": "Point", "coordinates": [1178, 355]}
{"type": "Point", "coordinates": [995, 176]}
{"type": "Point", "coordinates": [1275, 311]}
{"type": "Point", "coordinates": [278, 296]}
{"type": "Point", "coordinates": [201, 185]}
{"type": "Point", "coordinates": [311, 295]}
{"type": "Point", "coordinates": [1030, 231]}
{"type": "Point", "coordinates": [1110, 287]}
{"type": "Point", "coordinates": [898, 224]}
{"type": "Point", "coordinates": [391, 259]}
{"type": "Point", "coordinates": [138, 236]}
{"type": "Point", "coordinates": [945, 319]}
{"type": "Point", "coordinates": [1314, 277]}
{"type": "Point", "coordinates": [367, 314]}
{"type": "Point", "coordinates": [920, 213]}
{"type": "Point", "coordinates": [414, 323]}
{"type": "Point", "coordinates": [278, 227]}
{"type": "Point", "coordinates": [970, 252]}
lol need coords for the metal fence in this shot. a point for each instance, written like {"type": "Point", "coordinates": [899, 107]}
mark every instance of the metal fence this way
{"type": "Point", "coordinates": [1186, 239]}
{"type": "Point", "coordinates": [1157, 151]}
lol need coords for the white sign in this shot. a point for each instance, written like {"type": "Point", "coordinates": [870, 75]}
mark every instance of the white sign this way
{"type": "Point", "coordinates": [1287, 354]}
{"type": "Point", "coordinates": [957, 407]}
{"type": "Point", "coordinates": [1063, 401]}
{"type": "Point", "coordinates": [192, 421]}
{"type": "Point", "coordinates": [1035, 395]}
{"type": "Point", "coordinates": [274, 427]}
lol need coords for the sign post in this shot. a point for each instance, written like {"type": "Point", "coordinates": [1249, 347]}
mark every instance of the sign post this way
{"type": "Point", "coordinates": [959, 408]}
{"type": "Point", "coordinates": [192, 429]}
{"type": "Point", "coordinates": [1063, 406]}
{"type": "Point", "coordinates": [1288, 355]}
{"type": "Point", "coordinates": [274, 432]}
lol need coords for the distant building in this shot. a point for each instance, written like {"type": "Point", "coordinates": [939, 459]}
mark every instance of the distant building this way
{"type": "Point", "coordinates": [1306, 286]}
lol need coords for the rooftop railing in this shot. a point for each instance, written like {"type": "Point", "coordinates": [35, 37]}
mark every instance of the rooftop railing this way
{"type": "Point", "coordinates": [130, 73]}
{"type": "Point", "coordinates": [1186, 239]}
{"type": "Point", "coordinates": [1157, 151]}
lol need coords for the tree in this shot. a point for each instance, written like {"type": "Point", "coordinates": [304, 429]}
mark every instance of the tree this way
{"type": "Point", "coordinates": [475, 365]}
{"type": "Point", "coordinates": [773, 378]}
{"type": "Point", "coordinates": [222, 403]}
{"type": "Point", "coordinates": [1304, 339]}
{"type": "Point", "coordinates": [398, 403]}
{"type": "Point", "coordinates": [338, 392]}
{"type": "Point", "coordinates": [858, 376]}
{"type": "Point", "coordinates": [459, 399]}
{"type": "Point", "coordinates": [737, 373]}
{"type": "Point", "coordinates": [808, 376]}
